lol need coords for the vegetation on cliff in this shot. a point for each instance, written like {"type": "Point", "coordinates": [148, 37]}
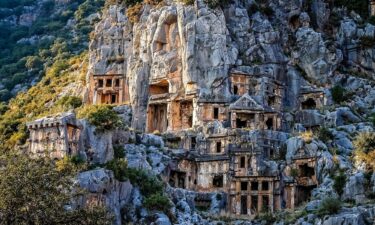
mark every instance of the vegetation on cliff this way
{"type": "Point", "coordinates": [59, 31]}
{"type": "Point", "coordinates": [35, 191]}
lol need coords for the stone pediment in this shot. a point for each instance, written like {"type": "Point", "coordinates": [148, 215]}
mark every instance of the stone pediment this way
{"type": "Point", "coordinates": [246, 102]}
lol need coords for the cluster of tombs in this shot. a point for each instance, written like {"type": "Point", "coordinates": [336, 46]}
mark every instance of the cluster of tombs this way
{"type": "Point", "coordinates": [230, 142]}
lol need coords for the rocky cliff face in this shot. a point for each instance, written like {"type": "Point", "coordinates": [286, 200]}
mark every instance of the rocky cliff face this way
{"type": "Point", "coordinates": [193, 49]}
{"type": "Point", "coordinates": [201, 44]}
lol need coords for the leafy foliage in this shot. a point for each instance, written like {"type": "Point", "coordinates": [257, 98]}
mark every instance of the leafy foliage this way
{"type": "Point", "coordinates": [119, 168]}
{"type": "Point", "coordinates": [157, 202]}
{"type": "Point", "coordinates": [25, 60]}
{"type": "Point", "coordinates": [339, 182]}
{"type": "Point", "coordinates": [329, 206]}
{"type": "Point", "coordinates": [367, 41]}
{"type": "Point", "coordinates": [69, 102]}
{"type": "Point", "coordinates": [324, 134]}
{"type": "Point", "coordinates": [101, 116]}
{"type": "Point", "coordinates": [134, 12]}
{"type": "Point", "coordinates": [33, 191]}
{"type": "Point", "coordinates": [119, 151]}
{"type": "Point", "coordinates": [364, 144]}
{"type": "Point", "coordinates": [338, 94]}
{"type": "Point", "coordinates": [32, 104]}
{"type": "Point", "coordinates": [359, 6]}
{"type": "Point", "coordinates": [147, 183]}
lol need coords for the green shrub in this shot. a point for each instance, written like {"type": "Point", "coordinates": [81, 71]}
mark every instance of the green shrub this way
{"type": "Point", "coordinates": [77, 159]}
{"type": "Point", "coordinates": [372, 118]}
{"type": "Point", "coordinates": [338, 94]}
{"type": "Point", "coordinates": [339, 182]}
{"type": "Point", "coordinates": [3, 108]}
{"type": "Point", "coordinates": [119, 168]}
{"type": "Point", "coordinates": [367, 41]}
{"type": "Point", "coordinates": [364, 152]}
{"type": "Point", "coordinates": [147, 183]}
{"type": "Point", "coordinates": [119, 151]}
{"type": "Point", "coordinates": [329, 206]}
{"type": "Point", "coordinates": [359, 6]}
{"type": "Point", "coordinates": [325, 134]}
{"type": "Point", "coordinates": [294, 172]}
{"type": "Point", "coordinates": [103, 118]}
{"type": "Point", "coordinates": [70, 102]}
{"type": "Point", "coordinates": [157, 202]}
{"type": "Point", "coordinates": [33, 62]}
{"type": "Point", "coordinates": [372, 20]}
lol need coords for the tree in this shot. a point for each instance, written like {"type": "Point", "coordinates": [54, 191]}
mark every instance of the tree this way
{"type": "Point", "coordinates": [34, 191]}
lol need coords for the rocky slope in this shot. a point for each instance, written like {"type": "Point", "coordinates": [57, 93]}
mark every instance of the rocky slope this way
{"type": "Point", "coordinates": [321, 46]}
{"type": "Point", "coordinates": [306, 44]}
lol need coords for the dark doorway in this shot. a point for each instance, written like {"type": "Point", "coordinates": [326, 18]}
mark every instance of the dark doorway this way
{"type": "Point", "coordinates": [241, 123]}
{"type": "Point", "coordinates": [254, 186]}
{"type": "Point", "coordinates": [244, 186]}
{"type": "Point", "coordinates": [113, 98]}
{"type": "Point", "coordinates": [242, 162]}
{"type": "Point", "coordinates": [193, 142]}
{"type": "Point", "coordinates": [216, 113]}
{"type": "Point", "coordinates": [218, 147]}
{"type": "Point", "coordinates": [271, 101]}
{"type": "Point", "coordinates": [235, 90]}
{"type": "Point", "coordinates": [244, 204]}
{"type": "Point", "coordinates": [309, 104]}
{"type": "Point", "coordinates": [269, 124]}
{"type": "Point", "coordinates": [109, 83]}
{"type": "Point", "coordinates": [218, 181]}
{"type": "Point", "coordinates": [265, 186]}
{"type": "Point", "coordinates": [306, 171]}
{"type": "Point", "coordinates": [100, 83]}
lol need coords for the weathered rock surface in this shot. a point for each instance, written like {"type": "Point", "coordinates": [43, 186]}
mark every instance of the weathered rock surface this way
{"type": "Point", "coordinates": [106, 190]}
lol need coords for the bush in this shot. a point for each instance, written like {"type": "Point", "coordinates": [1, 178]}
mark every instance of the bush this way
{"type": "Point", "coordinates": [294, 172]}
{"type": "Point", "coordinates": [33, 62]}
{"type": "Point", "coordinates": [339, 182]}
{"type": "Point", "coordinates": [70, 102]}
{"type": "Point", "coordinates": [119, 151]}
{"type": "Point", "coordinates": [359, 6]}
{"type": "Point", "coordinates": [372, 118]}
{"type": "Point", "coordinates": [102, 117]}
{"type": "Point", "coordinates": [372, 20]}
{"type": "Point", "coordinates": [364, 145]}
{"type": "Point", "coordinates": [367, 41]}
{"type": "Point", "coordinates": [157, 202]}
{"type": "Point", "coordinates": [338, 94]}
{"type": "Point", "coordinates": [325, 134]}
{"type": "Point", "coordinates": [329, 206]}
{"type": "Point", "coordinates": [119, 168]}
{"type": "Point", "coordinates": [147, 184]}
{"type": "Point", "coordinates": [134, 12]}
{"type": "Point", "coordinates": [3, 108]}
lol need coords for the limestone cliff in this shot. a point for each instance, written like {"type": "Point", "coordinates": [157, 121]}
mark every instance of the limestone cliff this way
{"type": "Point", "coordinates": [253, 106]}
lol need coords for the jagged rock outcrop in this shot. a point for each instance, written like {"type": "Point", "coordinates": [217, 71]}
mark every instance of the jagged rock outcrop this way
{"type": "Point", "coordinates": [105, 190]}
